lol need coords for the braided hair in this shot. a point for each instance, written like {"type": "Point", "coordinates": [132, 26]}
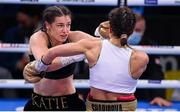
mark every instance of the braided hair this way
{"type": "Point", "coordinates": [122, 21]}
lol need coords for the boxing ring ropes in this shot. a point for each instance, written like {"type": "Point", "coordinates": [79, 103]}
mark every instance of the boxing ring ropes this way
{"type": "Point", "coordinates": [156, 50]}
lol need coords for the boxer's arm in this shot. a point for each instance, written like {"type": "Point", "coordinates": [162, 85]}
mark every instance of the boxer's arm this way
{"type": "Point", "coordinates": [138, 63]}
{"type": "Point", "coordinates": [75, 36]}
{"type": "Point", "coordinates": [69, 49]}
{"type": "Point", "coordinates": [41, 66]}
{"type": "Point", "coordinates": [102, 30]}
{"type": "Point", "coordinates": [38, 46]}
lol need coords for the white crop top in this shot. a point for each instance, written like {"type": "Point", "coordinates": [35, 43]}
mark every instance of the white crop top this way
{"type": "Point", "coordinates": [112, 70]}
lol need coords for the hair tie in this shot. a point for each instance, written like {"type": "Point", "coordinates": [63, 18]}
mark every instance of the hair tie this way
{"type": "Point", "coordinates": [124, 36]}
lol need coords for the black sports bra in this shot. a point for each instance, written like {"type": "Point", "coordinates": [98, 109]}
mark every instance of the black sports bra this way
{"type": "Point", "coordinates": [60, 73]}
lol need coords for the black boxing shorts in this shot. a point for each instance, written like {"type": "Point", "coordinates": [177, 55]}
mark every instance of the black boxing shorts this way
{"type": "Point", "coordinates": [55, 103]}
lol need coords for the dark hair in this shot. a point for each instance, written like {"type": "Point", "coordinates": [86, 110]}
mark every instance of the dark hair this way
{"type": "Point", "coordinates": [51, 12]}
{"type": "Point", "coordinates": [122, 21]}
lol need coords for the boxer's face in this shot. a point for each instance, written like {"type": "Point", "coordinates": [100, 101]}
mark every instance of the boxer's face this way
{"type": "Point", "coordinates": [60, 28]}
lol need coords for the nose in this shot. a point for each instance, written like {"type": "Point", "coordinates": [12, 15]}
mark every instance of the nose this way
{"type": "Point", "coordinates": [65, 29]}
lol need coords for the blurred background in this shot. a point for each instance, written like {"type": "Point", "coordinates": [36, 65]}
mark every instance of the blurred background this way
{"type": "Point", "coordinates": [19, 19]}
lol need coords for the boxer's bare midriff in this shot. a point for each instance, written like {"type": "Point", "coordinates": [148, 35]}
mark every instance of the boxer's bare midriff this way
{"type": "Point", "coordinates": [105, 95]}
{"type": "Point", "coordinates": [60, 87]}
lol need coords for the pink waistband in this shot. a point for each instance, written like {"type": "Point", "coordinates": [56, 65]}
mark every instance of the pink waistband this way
{"type": "Point", "coordinates": [121, 98]}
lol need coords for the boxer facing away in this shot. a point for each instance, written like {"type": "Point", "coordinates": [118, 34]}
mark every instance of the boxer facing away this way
{"type": "Point", "coordinates": [114, 66]}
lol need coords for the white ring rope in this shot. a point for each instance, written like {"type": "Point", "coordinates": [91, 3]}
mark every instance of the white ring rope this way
{"type": "Point", "coordinates": [8, 47]}
{"type": "Point", "coordinates": [12, 84]}
{"type": "Point", "coordinates": [163, 50]}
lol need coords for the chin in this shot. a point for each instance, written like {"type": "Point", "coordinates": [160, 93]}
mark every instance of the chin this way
{"type": "Point", "coordinates": [64, 40]}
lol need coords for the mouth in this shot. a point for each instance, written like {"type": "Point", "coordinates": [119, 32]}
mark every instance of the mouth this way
{"type": "Point", "coordinates": [64, 37]}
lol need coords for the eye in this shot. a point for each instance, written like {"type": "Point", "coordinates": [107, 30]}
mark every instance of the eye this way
{"type": "Point", "coordinates": [68, 25]}
{"type": "Point", "coordinates": [60, 25]}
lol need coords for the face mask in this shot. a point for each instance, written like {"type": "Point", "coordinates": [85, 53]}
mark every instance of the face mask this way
{"type": "Point", "coordinates": [134, 38]}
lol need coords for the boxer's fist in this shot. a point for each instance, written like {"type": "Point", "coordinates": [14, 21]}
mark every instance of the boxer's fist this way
{"type": "Point", "coordinates": [30, 73]}
{"type": "Point", "coordinates": [104, 29]}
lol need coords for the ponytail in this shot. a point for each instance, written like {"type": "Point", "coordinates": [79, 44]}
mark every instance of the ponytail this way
{"type": "Point", "coordinates": [123, 39]}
